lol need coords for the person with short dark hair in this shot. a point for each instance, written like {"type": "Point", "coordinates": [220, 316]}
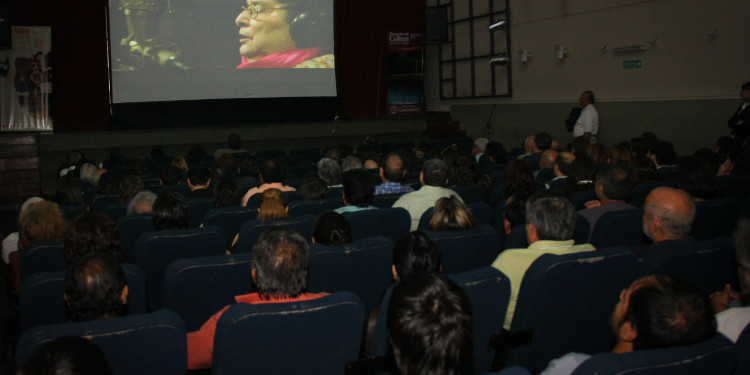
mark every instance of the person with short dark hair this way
{"type": "Point", "coordinates": [656, 311]}
{"type": "Point", "coordinates": [664, 156]}
{"type": "Point", "coordinates": [332, 229]}
{"type": "Point", "coordinates": [95, 288]}
{"type": "Point", "coordinates": [279, 272]}
{"type": "Point", "coordinates": [430, 326]}
{"type": "Point", "coordinates": [358, 191]}
{"type": "Point", "coordinates": [587, 125]}
{"type": "Point", "coordinates": [170, 211]}
{"type": "Point", "coordinates": [696, 176]}
{"type": "Point", "coordinates": [392, 175]}
{"type": "Point", "coordinates": [562, 168]}
{"type": "Point", "coordinates": [415, 252]}
{"type": "Point", "coordinates": [271, 174]}
{"type": "Point", "coordinates": [91, 232]}
{"type": "Point", "coordinates": [67, 355]}
{"type": "Point", "coordinates": [613, 186]}
{"type": "Point", "coordinates": [550, 225]}
{"type": "Point", "coordinates": [542, 142]}
{"type": "Point", "coordinates": [740, 120]}
{"type": "Point", "coordinates": [170, 175]}
{"type": "Point", "coordinates": [434, 178]}
{"type": "Point", "coordinates": [227, 193]}
{"type": "Point", "coordinates": [313, 188]}
{"type": "Point", "coordinates": [199, 181]}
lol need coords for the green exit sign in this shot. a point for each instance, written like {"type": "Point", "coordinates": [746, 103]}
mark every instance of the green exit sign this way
{"type": "Point", "coordinates": [632, 64]}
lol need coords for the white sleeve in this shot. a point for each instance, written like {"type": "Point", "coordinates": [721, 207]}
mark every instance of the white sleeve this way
{"type": "Point", "coordinates": [566, 364]}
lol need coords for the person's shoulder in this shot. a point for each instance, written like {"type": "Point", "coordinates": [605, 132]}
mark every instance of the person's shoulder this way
{"type": "Point", "coordinates": [565, 364]}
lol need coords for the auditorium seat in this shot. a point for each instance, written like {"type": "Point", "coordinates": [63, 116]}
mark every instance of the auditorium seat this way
{"type": "Point", "coordinates": [618, 228]}
{"type": "Point", "coordinates": [315, 207]}
{"type": "Point", "coordinates": [42, 257]}
{"type": "Point", "coordinates": [642, 190]}
{"type": "Point", "coordinates": [471, 193]}
{"type": "Point", "coordinates": [198, 208]}
{"type": "Point", "coordinates": [229, 219]}
{"type": "Point", "coordinates": [467, 250]}
{"type": "Point", "coordinates": [715, 217]}
{"type": "Point", "coordinates": [386, 200]}
{"type": "Point", "coordinates": [390, 222]}
{"type": "Point", "coordinates": [252, 229]}
{"type": "Point", "coordinates": [115, 210]}
{"type": "Point", "coordinates": [131, 227]}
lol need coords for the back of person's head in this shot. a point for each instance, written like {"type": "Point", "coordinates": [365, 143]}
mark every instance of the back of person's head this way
{"type": "Point", "coordinates": [696, 176]}
{"type": "Point", "coordinates": [616, 181]}
{"type": "Point", "coordinates": [597, 152]}
{"type": "Point", "coordinates": [181, 164]}
{"type": "Point", "coordinates": [142, 203]}
{"type": "Point", "coordinates": [666, 311]}
{"type": "Point", "coordinates": [673, 208]}
{"type": "Point", "coordinates": [394, 168]}
{"type": "Point", "coordinates": [95, 288]}
{"type": "Point", "coordinates": [663, 152]}
{"type": "Point", "coordinates": [273, 205]}
{"type": "Point", "coordinates": [170, 211]}
{"type": "Point", "coordinates": [67, 355]}
{"type": "Point", "coordinates": [645, 169]}
{"type": "Point", "coordinates": [89, 173]}
{"type": "Point", "coordinates": [234, 141]}
{"type": "Point", "coordinates": [198, 174]}
{"type": "Point", "coordinates": [129, 187]}
{"type": "Point", "coordinates": [518, 177]}
{"type": "Point", "coordinates": [450, 214]}
{"type": "Point", "coordinates": [481, 144]}
{"type": "Point", "coordinates": [495, 151]}
{"type": "Point", "coordinates": [313, 188]}
{"type": "Point", "coordinates": [332, 229]}
{"type": "Point", "coordinates": [553, 217]}
{"type": "Point", "coordinates": [227, 193]}
{"type": "Point", "coordinates": [582, 172]}
{"type": "Point", "coordinates": [351, 162]}
{"type": "Point", "coordinates": [415, 252]}
{"type": "Point", "coordinates": [92, 232]}
{"type": "Point", "coordinates": [515, 209]}
{"type": "Point", "coordinates": [170, 175]}
{"type": "Point", "coordinates": [430, 326]}
{"type": "Point", "coordinates": [543, 141]}
{"type": "Point", "coordinates": [69, 192]}
{"type": "Point", "coordinates": [40, 221]}
{"type": "Point", "coordinates": [108, 184]}
{"type": "Point", "coordinates": [271, 171]}
{"type": "Point", "coordinates": [329, 171]}
{"type": "Point", "coordinates": [619, 154]}
{"type": "Point", "coordinates": [359, 188]}
{"type": "Point", "coordinates": [280, 259]}
{"type": "Point", "coordinates": [435, 172]}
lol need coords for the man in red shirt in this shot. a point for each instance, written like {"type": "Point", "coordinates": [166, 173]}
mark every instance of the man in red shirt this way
{"type": "Point", "coordinates": [279, 272]}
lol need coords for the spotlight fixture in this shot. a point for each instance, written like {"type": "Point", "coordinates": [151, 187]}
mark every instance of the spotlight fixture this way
{"type": "Point", "coordinates": [501, 59]}
{"type": "Point", "coordinates": [496, 24]}
{"type": "Point", "coordinates": [560, 51]}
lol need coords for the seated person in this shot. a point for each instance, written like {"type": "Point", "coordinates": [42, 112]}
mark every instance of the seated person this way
{"type": "Point", "coordinates": [393, 173]}
{"type": "Point", "coordinates": [434, 178]}
{"type": "Point", "coordinates": [171, 211]}
{"type": "Point", "coordinates": [95, 288]}
{"type": "Point", "coordinates": [430, 326]}
{"type": "Point", "coordinates": [273, 205]}
{"type": "Point", "coordinates": [227, 193]}
{"type": "Point", "coordinates": [415, 252]}
{"type": "Point", "coordinates": [129, 187]}
{"type": "Point", "coordinates": [199, 181]}
{"type": "Point", "coordinates": [358, 192]}
{"type": "Point", "coordinates": [271, 174]}
{"type": "Point", "coordinates": [450, 214]}
{"type": "Point", "coordinates": [656, 311]}
{"type": "Point", "coordinates": [92, 232]}
{"type": "Point", "coordinates": [732, 319]}
{"type": "Point", "coordinates": [279, 272]}
{"type": "Point", "coordinates": [67, 355]}
{"type": "Point", "coordinates": [142, 203]}
{"type": "Point", "coordinates": [313, 188]}
{"type": "Point", "coordinates": [329, 170]}
{"type": "Point", "coordinates": [332, 229]}
{"type": "Point", "coordinates": [515, 211]}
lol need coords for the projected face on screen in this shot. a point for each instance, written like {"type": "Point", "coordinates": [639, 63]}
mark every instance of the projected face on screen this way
{"type": "Point", "coordinates": [264, 29]}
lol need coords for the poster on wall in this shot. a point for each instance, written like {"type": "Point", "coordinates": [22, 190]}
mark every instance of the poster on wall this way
{"type": "Point", "coordinates": [26, 80]}
{"type": "Point", "coordinates": [405, 93]}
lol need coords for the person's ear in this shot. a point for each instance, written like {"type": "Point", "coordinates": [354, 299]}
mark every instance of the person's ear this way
{"type": "Point", "coordinates": [532, 235]}
{"type": "Point", "coordinates": [252, 275]}
{"type": "Point", "coordinates": [124, 295]}
{"type": "Point", "coordinates": [395, 274]}
{"type": "Point", "coordinates": [313, 240]}
{"type": "Point", "coordinates": [627, 332]}
{"type": "Point", "coordinates": [421, 178]}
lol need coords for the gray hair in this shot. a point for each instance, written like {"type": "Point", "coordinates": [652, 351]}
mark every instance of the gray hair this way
{"type": "Point", "coordinates": [481, 143]}
{"type": "Point", "coordinates": [88, 173]}
{"type": "Point", "coordinates": [553, 217]}
{"type": "Point", "coordinates": [142, 198]}
{"type": "Point", "coordinates": [329, 171]}
{"type": "Point", "coordinates": [351, 162]}
{"type": "Point", "coordinates": [673, 222]}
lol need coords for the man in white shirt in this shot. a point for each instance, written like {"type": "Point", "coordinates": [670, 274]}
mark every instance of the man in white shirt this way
{"type": "Point", "coordinates": [588, 122]}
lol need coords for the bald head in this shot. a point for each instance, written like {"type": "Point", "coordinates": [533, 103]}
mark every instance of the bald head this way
{"type": "Point", "coordinates": [548, 159]}
{"type": "Point", "coordinates": [668, 214]}
{"type": "Point", "coordinates": [393, 169]}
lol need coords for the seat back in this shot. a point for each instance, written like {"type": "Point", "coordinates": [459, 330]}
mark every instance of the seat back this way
{"type": "Point", "coordinates": [709, 264]}
{"type": "Point", "coordinates": [198, 208]}
{"type": "Point", "coordinates": [743, 349]}
{"type": "Point", "coordinates": [115, 209]}
{"type": "Point", "coordinates": [386, 200]}
{"type": "Point", "coordinates": [567, 301]}
{"type": "Point", "coordinates": [131, 227]}
{"type": "Point", "coordinates": [390, 222]}
{"type": "Point", "coordinates": [70, 213]}
{"type": "Point", "coordinates": [211, 281]}
{"type": "Point", "coordinates": [618, 228]}
{"type": "Point", "coordinates": [42, 257]}
{"type": "Point", "coordinates": [716, 217]}
{"type": "Point", "coordinates": [153, 343]}
{"type": "Point", "coordinates": [154, 251]}
{"type": "Point", "coordinates": [315, 207]}
{"type": "Point", "coordinates": [229, 219]}
{"type": "Point", "coordinates": [41, 297]}
{"type": "Point", "coordinates": [480, 210]}
{"type": "Point", "coordinates": [489, 292]}
{"type": "Point", "coordinates": [517, 238]}
{"type": "Point", "coordinates": [580, 198]}
{"type": "Point", "coordinates": [642, 190]}
{"type": "Point", "coordinates": [309, 337]}
{"type": "Point", "coordinates": [715, 356]}
{"type": "Point", "coordinates": [362, 267]}
{"type": "Point", "coordinates": [98, 201]}
{"type": "Point", "coordinates": [467, 250]}
{"type": "Point", "coordinates": [252, 229]}
{"type": "Point", "coordinates": [471, 193]}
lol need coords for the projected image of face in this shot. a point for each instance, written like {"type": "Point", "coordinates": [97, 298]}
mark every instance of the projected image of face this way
{"type": "Point", "coordinates": [264, 29]}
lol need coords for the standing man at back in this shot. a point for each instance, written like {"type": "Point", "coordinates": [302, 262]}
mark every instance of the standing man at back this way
{"type": "Point", "coordinates": [588, 123]}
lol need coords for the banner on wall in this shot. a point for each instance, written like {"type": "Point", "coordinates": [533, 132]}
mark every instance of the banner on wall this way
{"type": "Point", "coordinates": [405, 93]}
{"type": "Point", "coordinates": [26, 80]}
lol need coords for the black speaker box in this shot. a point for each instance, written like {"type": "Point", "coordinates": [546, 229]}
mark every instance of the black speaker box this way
{"type": "Point", "coordinates": [436, 24]}
{"type": "Point", "coordinates": [5, 40]}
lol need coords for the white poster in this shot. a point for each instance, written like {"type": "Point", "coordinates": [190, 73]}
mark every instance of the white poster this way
{"type": "Point", "coordinates": [26, 80]}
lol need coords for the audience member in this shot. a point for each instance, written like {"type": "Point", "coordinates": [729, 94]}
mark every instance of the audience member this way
{"type": "Point", "coordinates": [430, 326]}
{"type": "Point", "coordinates": [92, 232]}
{"type": "Point", "coordinates": [171, 211]}
{"type": "Point", "coordinates": [668, 216]}
{"type": "Point", "coordinates": [550, 224]}
{"type": "Point", "coordinates": [697, 178]}
{"type": "Point", "coordinates": [279, 272]}
{"type": "Point", "coordinates": [518, 177]}
{"type": "Point", "coordinates": [480, 144]}
{"type": "Point", "coordinates": [234, 146]}
{"type": "Point", "coordinates": [656, 311]}
{"type": "Point", "coordinates": [450, 214]}
{"type": "Point", "coordinates": [515, 211]}
{"type": "Point", "coordinates": [563, 167]}
{"type": "Point", "coordinates": [414, 252]}
{"type": "Point", "coordinates": [582, 175]}
{"type": "Point", "coordinates": [495, 153]}
{"type": "Point", "coordinates": [732, 320]}
{"type": "Point", "coordinates": [546, 170]}
{"type": "Point", "coordinates": [528, 148]}
{"type": "Point", "coordinates": [10, 242]}
{"type": "Point", "coordinates": [142, 203]}
{"type": "Point", "coordinates": [393, 173]}
{"type": "Point", "coordinates": [129, 187]}
{"type": "Point", "coordinates": [613, 186]}
{"type": "Point", "coordinates": [664, 155]}
{"type": "Point", "coordinates": [329, 171]}
{"type": "Point", "coordinates": [273, 205]}
{"type": "Point", "coordinates": [542, 142]}
{"type": "Point", "coordinates": [597, 152]}
{"type": "Point", "coordinates": [181, 164]}
{"type": "Point", "coordinates": [69, 192]}
{"type": "Point", "coordinates": [358, 191]}
{"type": "Point", "coordinates": [645, 169]}
{"type": "Point", "coordinates": [95, 288]}
{"type": "Point", "coordinates": [350, 162]}
{"type": "Point", "coordinates": [434, 177]}
{"type": "Point", "coordinates": [199, 180]}
{"type": "Point", "coordinates": [170, 175]}
{"type": "Point", "coordinates": [227, 193]}
{"type": "Point", "coordinates": [67, 355]}
{"type": "Point", "coordinates": [332, 229]}
{"type": "Point", "coordinates": [271, 175]}
{"type": "Point", "coordinates": [313, 188]}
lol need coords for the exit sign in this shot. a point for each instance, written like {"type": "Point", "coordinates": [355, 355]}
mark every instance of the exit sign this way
{"type": "Point", "coordinates": [632, 64]}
